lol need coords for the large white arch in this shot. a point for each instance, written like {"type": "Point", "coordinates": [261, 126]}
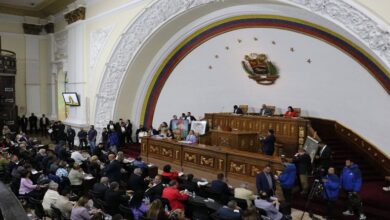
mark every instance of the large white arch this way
{"type": "Point", "coordinates": [350, 16]}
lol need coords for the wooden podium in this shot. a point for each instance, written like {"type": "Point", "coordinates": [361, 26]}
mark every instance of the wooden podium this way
{"type": "Point", "coordinates": [239, 140]}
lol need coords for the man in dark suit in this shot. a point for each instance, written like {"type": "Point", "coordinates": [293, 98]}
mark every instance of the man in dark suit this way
{"type": "Point", "coordinates": [136, 182]}
{"type": "Point", "coordinates": [70, 134]}
{"type": "Point", "coordinates": [221, 188]}
{"type": "Point", "coordinates": [264, 111]}
{"type": "Point", "coordinates": [231, 211]}
{"type": "Point", "coordinates": [268, 143]}
{"type": "Point", "coordinates": [43, 123]}
{"type": "Point", "coordinates": [101, 188]}
{"type": "Point", "coordinates": [129, 132]}
{"type": "Point", "coordinates": [113, 169]}
{"type": "Point", "coordinates": [323, 158]}
{"type": "Point", "coordinates": [190, 185]}
{"type": "Point", "coordinates": [155, 189]}
{"type": "Point", "coordinates": [114, 197]}
{"type": "Point", "coordinates": [302, 161]}
{"type": "Point", "coordinates": [265, 181]}
{"type": "Point", "coordinates": [33, 122]}
{"type": "Point", "coordinates": [237, 110]}
{"type": "Point", "coordinates": [23, 123]}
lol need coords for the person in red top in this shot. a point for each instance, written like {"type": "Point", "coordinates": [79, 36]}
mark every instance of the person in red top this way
{"type": "Point", "coordinates": [174, 196]}
{"type": "Point", "coordinates": [290, 112]}
{"type": "Point", "coordinates": [167, 173]}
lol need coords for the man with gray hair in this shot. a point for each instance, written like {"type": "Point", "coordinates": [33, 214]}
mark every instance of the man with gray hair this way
{"type": "Point", "coordinates": [231, 211]}
{"type": "Point", "coordinates": [136, 182]}
{"type": "Point", "coordinates": [50, 197]}
{"type": "Point", "coordinates": [243, 192]}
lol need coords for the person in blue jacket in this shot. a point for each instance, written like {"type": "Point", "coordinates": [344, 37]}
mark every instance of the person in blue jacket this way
{"type": "Point", "coordinates": [351, 182]}
{"type": "Point", "coordinates": [287, 181]}
{"type": "Point", "coordinates": [331, 191]}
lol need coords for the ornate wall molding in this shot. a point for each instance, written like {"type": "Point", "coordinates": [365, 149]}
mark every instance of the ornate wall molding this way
{"type": "Point", "coordinates": [160, 11]}
{"type": "Point", "coordinates": [97, 40]}
{"type": "Point", "coordinates": [363, 25]}
{"type": "Point", "coordinates": [61, 45]}
{"type": "Point", "coordinates": [156, 14]}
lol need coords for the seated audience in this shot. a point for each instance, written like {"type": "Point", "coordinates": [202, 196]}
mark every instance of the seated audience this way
{"type": "Point", "coordinates": [156, 211]}
{"type": "Point", "coordinates": [51, 197]}
{"type": "Point", "coordinates": [231, 211]}
{"type": "Point", "coordinates": [101, 188]}
{"type": "Point", "coordinates": [80, 211]}
{"type": "Point", "coordinates": [3, 163]}
{"type": "Point", "coordinates": [27, 187]}
{"type": "Point", "coordinates": [63, 203]}
{"type": "Point", "coordinates": [191, 137]}
{"type": "Point", "coordinates": [265, 181]}
{"type": "Point", "coordinates": [170, 134]}
{"type": "Point", "coordinates": [264, 202]}
{"type": "Point", "coordinates": [94, 167]}
{"type": "Point", "coordinates": [61, 171]}
{"type": "Point", "coordinates": [114, 197]}
{"type": "Point", "coordinates": [155, 188]}
{"type": "Point", "coordinates": [172, 175]}
{"type": "Point", "coordinates": [250, 213]}
{"type": "Point", "coordinates": [290, 112]}
{"type": "Point", "coordinates": [190, 185]}
{"type": "Point", "coordinates": [174, 196]}
{"type": "Point", "coordinates": [136, 181]}
{"type": "Point", "coordinates": [268, 143]}
{"type": "Point", "coordinates": [243, 192]}
{"type": "Point", "coordinates": [76, 175]}
{"type": "Point", "coordinates": [137, 205]}
{"type": "Point", "coordinates": [265, 111]}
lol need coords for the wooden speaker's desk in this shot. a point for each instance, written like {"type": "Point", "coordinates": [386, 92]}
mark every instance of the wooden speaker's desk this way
{"type": "Point", "coordinates": [290, 132]}
{"type": "Point", "coordinates": [240, 140]}
{"type": "Point", "coordinates": [212, 160]}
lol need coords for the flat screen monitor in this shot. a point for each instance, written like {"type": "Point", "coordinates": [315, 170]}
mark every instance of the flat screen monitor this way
{"type": "Point", "coordinates": [71, 98]}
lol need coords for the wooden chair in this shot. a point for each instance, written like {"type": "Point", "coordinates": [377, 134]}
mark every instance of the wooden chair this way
{"type": "Point", "coordinates": [298, 111]}
{"type": "Point", "coordinates": [244, 108]}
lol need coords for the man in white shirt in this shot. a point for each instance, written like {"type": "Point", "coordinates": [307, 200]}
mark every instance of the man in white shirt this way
{"type": "Point", "coordinates": [63, 204]}
{"type": "Point", "coordinates": [50, 197]}
{"type": "Point", "coordinates": [77, 157]}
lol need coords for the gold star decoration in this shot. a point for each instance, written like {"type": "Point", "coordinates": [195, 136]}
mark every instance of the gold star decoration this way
{"type": "Point", "coordinates": [216, 56]}
{"type": "Point", "coordinates": [210, 67]}
{"type": "Point", "coordinates": [255, 39]}
{"type": "Point", "coordinates": [239, 40]}
{"type": "Point", "coordinates": [292, 49]}
{"type": "Point", "coordinates": [308, 60]}
{"type": "Point", "coordinates": [273, 42]}
{"type": "Point", "coordinates": [227, 48]}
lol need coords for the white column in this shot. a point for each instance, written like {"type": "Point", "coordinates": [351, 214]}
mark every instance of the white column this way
{"type": "Point", "coordinates": [33, 87]}
{"type": "Point", "coordinates": [76, 74]}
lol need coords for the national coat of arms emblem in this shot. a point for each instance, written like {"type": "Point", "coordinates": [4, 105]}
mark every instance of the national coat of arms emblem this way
{"type": "Point", "coordinates": [260, 69]}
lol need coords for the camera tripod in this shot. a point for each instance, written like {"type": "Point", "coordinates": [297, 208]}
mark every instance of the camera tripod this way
{"type": "Point", "coordinates": [316, 188]}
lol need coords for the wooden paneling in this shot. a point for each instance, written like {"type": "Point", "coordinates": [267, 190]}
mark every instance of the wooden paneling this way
{"type": "Point", "coordinates": [212, 159]}
{"type": "Point", "coordinates": [240, 140]}
{"type": "Point", "coordinates": [290, 132]}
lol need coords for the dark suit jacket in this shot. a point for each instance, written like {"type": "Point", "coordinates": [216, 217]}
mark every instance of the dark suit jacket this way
{"type": "Point", "coordinates": [113, 171]}
{"type": "Point", "coordinates": [47, 122]}
{"type": "Point", "coordinates": [191, 186]}
{"type": "Point", "coordinates": [114, 199]}
{"type": "Point", "coordinates": [238, 111]}
{"type": "Point", "coordinates": [220, 187]}
{"type": "Point", "coordinates": [324, 160]}
{"type": "Point", "coordinates": [262, 183]}
{"type": "Point", "coordinates": [100, 189]}
{"type": "Point", "coordinates": [227, 213]}
{"type": "Point", "coordinates": [266, 112]}
{"type": "Point", "coordinates": [136, 183]}
{"type": "Point", "coordinates": [303, 164]}
{"type": "Point", "coordinates": [269, 145]}
{"type": "Point", "coordinates": [155, 192]}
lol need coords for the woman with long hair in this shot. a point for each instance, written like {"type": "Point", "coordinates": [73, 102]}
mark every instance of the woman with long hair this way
{"type": "Point", "coordinates": [156, 211]}
{"type": "Point", "coordinates": [137, 205]}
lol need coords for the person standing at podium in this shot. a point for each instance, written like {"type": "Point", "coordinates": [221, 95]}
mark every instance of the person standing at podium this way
{"type": "Point", "coordinates": [237, 110]}
{"type": "Point", "coordinates": [268, 143]}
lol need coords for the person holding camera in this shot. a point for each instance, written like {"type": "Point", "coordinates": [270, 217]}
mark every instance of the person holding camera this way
{"type": "Point", "coordinates": [287, 181]}
{"type": "Point", "coordinates": [331, 184]}
{"type": "Point", "coordinates": [303, 162]}
{"type": "Point", "coordinates": [351, 182]}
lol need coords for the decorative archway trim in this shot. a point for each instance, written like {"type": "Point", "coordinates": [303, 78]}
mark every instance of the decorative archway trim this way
{"type": "Point", "coordinates": [255, 21]}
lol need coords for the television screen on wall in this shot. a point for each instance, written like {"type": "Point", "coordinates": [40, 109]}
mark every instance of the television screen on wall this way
{"type": "Point", "coordinates": [71, 98]}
